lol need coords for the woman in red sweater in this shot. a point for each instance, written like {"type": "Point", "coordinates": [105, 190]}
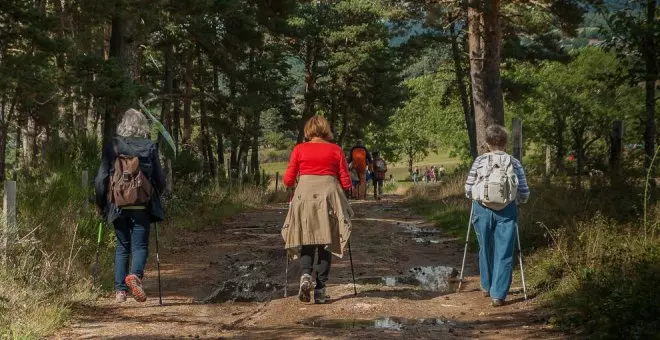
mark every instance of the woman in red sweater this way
{"type": "Point", "coordinates": [319, 217]}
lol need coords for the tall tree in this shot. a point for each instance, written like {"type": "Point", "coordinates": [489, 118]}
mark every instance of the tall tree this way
{"type": "Point", "coordinates": [485, 41]}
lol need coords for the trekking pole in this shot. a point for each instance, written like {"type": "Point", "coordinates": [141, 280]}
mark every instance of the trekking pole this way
{"type": "Point", "coordinates": [350, 256]}
{"type": "Point", "coordinates": [286, 254]}
{"type": "Point", "coordinates": [522, 272]}
{"type": "Point", "coordinates": [160, 291]}
{"type": "Point", "coordinates": [286, 273]}
{"type": "Point", "coordinates": [95, 269]}
{"type": "Point", "coordinates": [467, 238]}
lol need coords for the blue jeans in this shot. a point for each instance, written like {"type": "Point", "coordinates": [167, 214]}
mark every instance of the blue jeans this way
{"type": "Point", "coordinates": [496, 234]}
{"type": "Point", "coordinates": [132, 231]}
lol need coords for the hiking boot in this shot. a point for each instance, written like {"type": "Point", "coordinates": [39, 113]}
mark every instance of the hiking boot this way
{"type": "Point", "coordinates": [304, 294]}
{"type": "Point", "coordinates": [320, 297]}
{"type": "Point", "coordinates": [135, 285]}
{"type": "Point", "coordinates": [120, 296]}
{"type": "Point", "coordinates": [497, 302]}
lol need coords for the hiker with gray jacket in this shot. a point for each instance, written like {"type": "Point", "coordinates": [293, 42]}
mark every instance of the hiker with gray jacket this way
{"type": "Point", "coordinates": [128, 186]}
{"type": "Point", "coordinates": [496, 183]}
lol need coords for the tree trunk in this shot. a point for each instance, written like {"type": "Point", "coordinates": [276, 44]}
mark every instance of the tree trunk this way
{"type": "Point", "coordinates": [462, 90]}
{"type": "Point", "coordinates": [176, 117]}
{"type": "Point", "coordinates": [310, 84]}
{"type": "Point", "coordinates": [649, 51]}
{"type": "Point", "coordinates": [221, 154]}
{"type": "Point", "coordinates": [616, 150]}
{"type": "Point", "coordinates": [168, 86]}
{"type": "Point", "coordinates": [187, 103]}
{"type": "Point", "coordinates": [122, 49]}
{"type": "Point", "coordinates": [3, 135]}
{"type": "Point", "coordinates": [484, 46]}
{"type": "Point", "coordinates": [29, 142]}
{"type": "Point", "coordinates": [233, 133]}
{"type": "Point", "coordinates": [344, 128]}
{"type": "Point", "coordinates": [207, 150]}
{"type": "Point", "coordinates": [254, 160]}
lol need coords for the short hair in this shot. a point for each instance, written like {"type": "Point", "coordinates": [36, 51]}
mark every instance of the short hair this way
{"type": "Point", "coordinates": [134, 124]}
{"type": "Point", "coordinates": [497, 136]}
{"type": "Point", "coordinates": [318, 126]}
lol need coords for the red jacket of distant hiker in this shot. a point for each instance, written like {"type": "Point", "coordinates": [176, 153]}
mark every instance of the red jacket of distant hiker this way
{"type": "Point", "coordinates": [322, 159]}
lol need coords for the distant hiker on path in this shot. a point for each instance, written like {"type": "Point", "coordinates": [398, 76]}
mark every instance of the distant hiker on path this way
{"type": "Point", "coordinates": [380, 168]}
{"type": "Point", "coordinates": [361, 160]}
{"type": "Point", "coordinates": [355, 181]}
{"type": "Point", "coordinates": [415, 176]}
{"type": "Point", "coordinates": [441, 173]}
{"type": "Point", "coordinates": [128, 186]}
{"type": "Point", "coordinates": [495, 212]}
{"type": "Point", "coordinates": [319, 217]}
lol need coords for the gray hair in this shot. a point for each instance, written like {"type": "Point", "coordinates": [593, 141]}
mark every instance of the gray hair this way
{"type": "Point", "coordinates": [497, 136]}
{"type": "Point", "coordinates": [134, 124]}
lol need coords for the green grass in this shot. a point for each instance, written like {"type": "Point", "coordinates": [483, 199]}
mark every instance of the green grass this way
{"type": "Point", "coordinates": [445, 206]}
{"type": "Point", "coordinates": [587, 253]}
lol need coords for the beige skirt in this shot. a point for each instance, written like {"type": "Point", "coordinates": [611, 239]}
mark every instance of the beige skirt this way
{"type": "Point", "coordinates": [319, 214]}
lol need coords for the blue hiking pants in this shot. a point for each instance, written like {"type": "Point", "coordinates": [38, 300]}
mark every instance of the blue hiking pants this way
{"type": "Point", "coordinates": [496, 232]}
{"type": "Point", "coordinates": [132, 231]}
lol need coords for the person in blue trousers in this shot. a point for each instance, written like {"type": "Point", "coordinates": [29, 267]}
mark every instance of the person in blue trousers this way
{"type": "Point", "coordinates": [496, 229]}
{"type": "Point", "coordinates": [132, 223]}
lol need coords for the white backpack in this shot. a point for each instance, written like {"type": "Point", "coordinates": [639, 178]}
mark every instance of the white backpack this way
{"type": "Point", "coordinates": [497, 183]}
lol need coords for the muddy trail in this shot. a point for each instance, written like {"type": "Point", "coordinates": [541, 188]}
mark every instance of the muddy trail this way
{"type": "Point", "coordinates": [227, 282]}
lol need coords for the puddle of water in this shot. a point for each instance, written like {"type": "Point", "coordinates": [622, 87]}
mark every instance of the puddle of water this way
{"type": "Point", "coordinates": [243, 291]}
{"type": "Point", "coordinates": [420, 231]}
{"type": "Point", "coordinates": [436, 278]}
{"type": "Point", "coordinates": [432, 278]}
{"type": "Point", "coordinates": [426, 240]}
{"type": "Point", "coordinates": [390, 281]}
{"type": "Point", "coordinates": [250, 284]}
{"type": "Point", "coordinates": [388, 323]}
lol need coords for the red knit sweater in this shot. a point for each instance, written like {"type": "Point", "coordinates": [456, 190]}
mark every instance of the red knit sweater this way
{"type": "Point", "coordinates": [317, 159]}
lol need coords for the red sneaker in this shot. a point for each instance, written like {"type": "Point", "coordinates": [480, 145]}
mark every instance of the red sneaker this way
{"type": "Point", "coordinates": [135, 285]}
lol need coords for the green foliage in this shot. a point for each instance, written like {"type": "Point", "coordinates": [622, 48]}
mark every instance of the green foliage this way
{"type": "Point", "coordinates": [49, 261]}
{"type": "Point", "coordinates": [602, 281]}
{"type": "Point", "coordinates": [587, 254]}
{"type": "Point", "coordinates": [572, 106]}
{"type": "Point", "coordinates": [430, 119]}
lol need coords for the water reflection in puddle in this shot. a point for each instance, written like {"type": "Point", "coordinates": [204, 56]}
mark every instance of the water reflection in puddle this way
{"type": "Point", "coordinates": [420, 231]}
{"type": "Point", "coordinates": [432, 278]}
{"type": "Point", "coordinates": [389, 323]}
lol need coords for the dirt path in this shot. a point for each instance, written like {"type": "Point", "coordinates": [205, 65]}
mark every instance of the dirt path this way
{"type": "Point", "coordinates": [207, 266]}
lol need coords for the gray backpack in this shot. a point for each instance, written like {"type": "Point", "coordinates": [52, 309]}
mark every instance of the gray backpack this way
{"type": "Point", "coordinates": [497, 183]}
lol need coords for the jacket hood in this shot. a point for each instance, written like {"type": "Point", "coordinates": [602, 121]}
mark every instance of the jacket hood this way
{"type": "Point", "coordinates": [134, 146]}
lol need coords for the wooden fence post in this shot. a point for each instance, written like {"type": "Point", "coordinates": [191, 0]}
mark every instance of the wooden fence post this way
{"type": "Point", "coordinates": [516, 131]}
{"type": "Point", "coordinates": [616, 145]}
{"type": "Point", "coordinates": [84, 183]}
{"type": "Point", "coordinates": [277, 181]}
{"type": "Point", "coordinates": [10, 221]}
{"type": "Point", "coordinates": [616, 150]}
